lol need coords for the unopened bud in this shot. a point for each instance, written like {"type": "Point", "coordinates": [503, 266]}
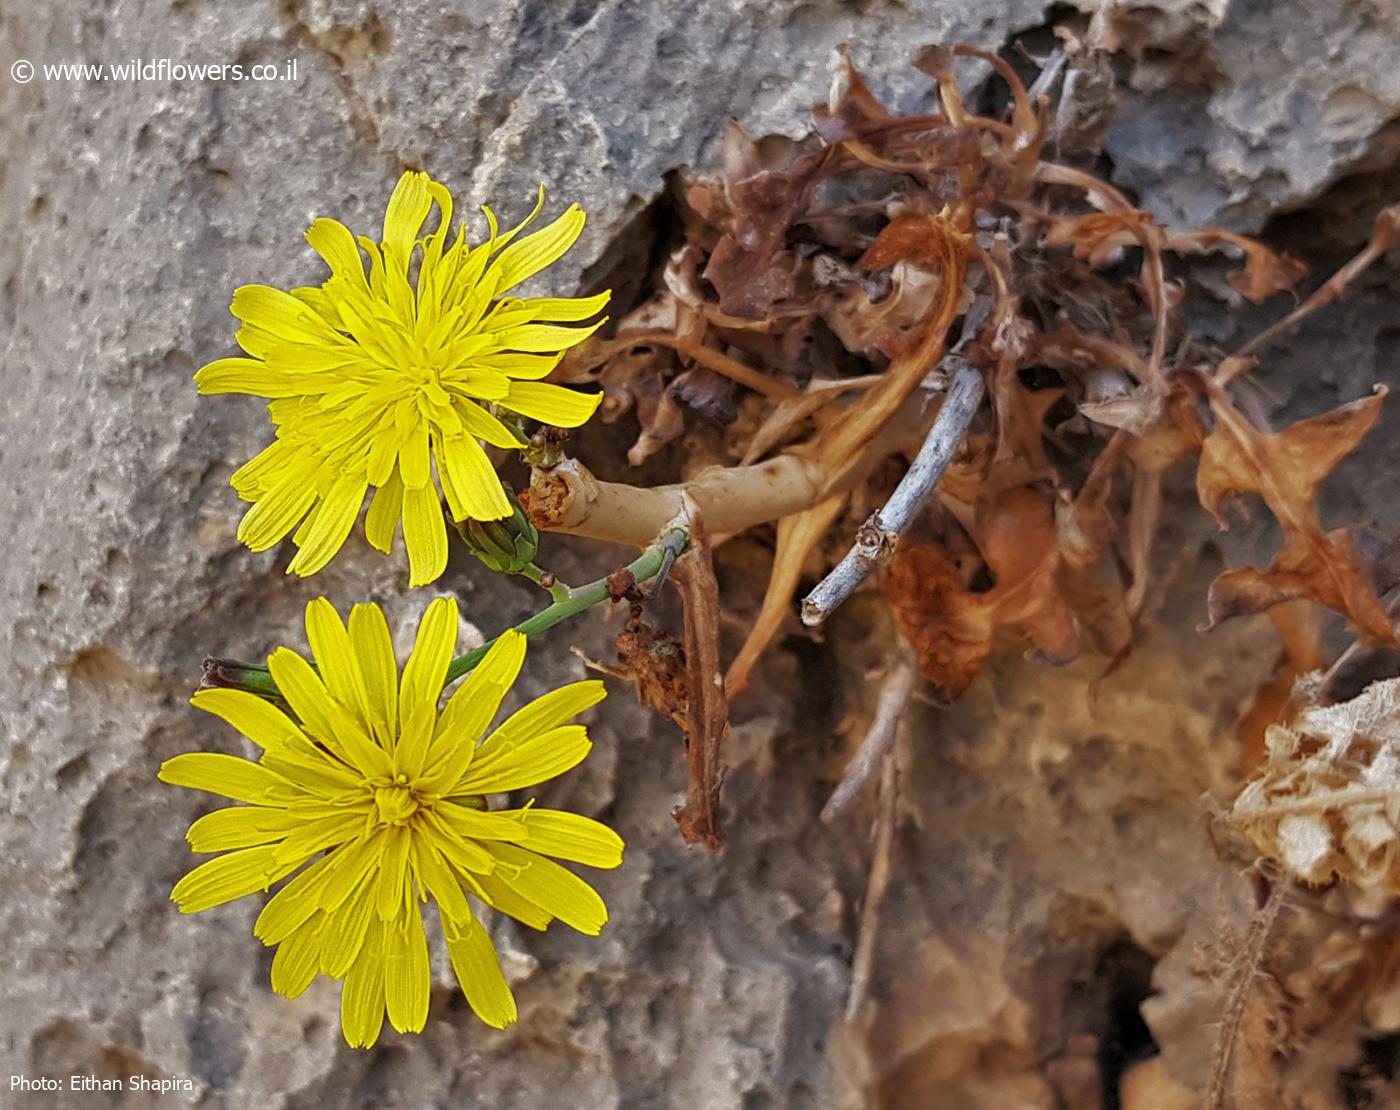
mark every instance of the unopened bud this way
{"type": "Point", "coordinates": [508, 545]}
{"type": "Point", "coordinates": [230, 674]}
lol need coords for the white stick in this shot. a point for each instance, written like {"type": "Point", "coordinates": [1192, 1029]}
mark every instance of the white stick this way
{"type": "Point", "coordinates": [877, 537]}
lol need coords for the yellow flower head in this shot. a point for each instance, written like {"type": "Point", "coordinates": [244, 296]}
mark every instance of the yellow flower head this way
{"type": "Point", "coordinates": [373, 379]}
{"type": "Point", "coordinates": [377, 800]}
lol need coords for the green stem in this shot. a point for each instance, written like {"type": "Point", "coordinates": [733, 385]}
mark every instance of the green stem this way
{"type": "Point", "coordinates": [557, 590]}
{"type": "Point", "coordinates": [642, 568]}
{"type": "Point", "coordinates": [254, 678]}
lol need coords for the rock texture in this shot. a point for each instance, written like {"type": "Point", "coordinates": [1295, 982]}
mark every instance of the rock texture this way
{"type": "Point", "coordinates": [1051, 849]}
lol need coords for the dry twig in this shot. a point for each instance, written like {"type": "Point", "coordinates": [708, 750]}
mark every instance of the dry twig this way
{"type": "Point", "coordinates": [707, 722]}
{"type": "Point", "coordinates": [863, 962]}
{"type": "Point", "coordinates": [1261, 931]}
{"type": "Point", "coordinates": [876, 540]}
{"type": "Point", "coordinates": [879, 738]}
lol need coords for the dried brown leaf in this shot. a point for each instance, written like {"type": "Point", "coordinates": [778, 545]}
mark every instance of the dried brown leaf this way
{"type": "Point", "coordinates": [1097, 237]}
{"type": "Point", "coordinates": [655, 663]}
{"type": "Point", "coordinates": [1285, 468]}
{"type": "Point", "coordinates": [952, 629]}
{"type": "Point", "coordinates": [751, 267]}
{"type": "Point", "coordinates": [949, 628]}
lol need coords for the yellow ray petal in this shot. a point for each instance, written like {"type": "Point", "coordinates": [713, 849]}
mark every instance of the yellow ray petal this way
{"type": "Point", "coordinates": [279, 314]}
{"type": "Point", "coordinates": [346, 929]}
{"type": "Point", "coordinates": [333, 241]}
{"type": "Point", "coordinates": [425, 535]}
{"type": "Point", "coordinates": [551, 404]}
{"type": "Point", "coordinates": [335, 658]}
{"type": "Point", "coordinates": [521, 367]}
{"type": "Point", "coordinates": [414, 462]}
{"type": "Point", "coordinates": [362, 996]}
{"type": "Point", "coordinates": [482, 424]}
{"type": "Point", "coordinates": [468, 859]}
{"type": "Point", "coordinates": [478, 490]}
{"type": "Point", "coordinates": [227, 776]}
{"type": "Point", "coordinates": [306, 693]}
{"type": "Point", "coordinates": [393, 873]}
{"type": "Point", "coordinates": [246, 375]}
{"type": "Point", "coordinates": [276, 514]}
{"type": "Point", "coordinates": [408, 208]}
{"type": "Point", "coordinates": [240, 827]}
{"type": "Point", "coordinates": [228, 877]}
{"type": "Point", "coordinates": [476, 824]}
{"type": "Point", "coordinates": [566, 310]}
{"type": "Point", "coordinates": [256, 718]}
{"type": "Point", "coordinates": [470, 710]}
{"type": "Point", "coordinates": [498, 240]}
{"type": "Point", "coordinates": [426, 669]}
{"type": "Point", "coordinates": [321, 833]}
{"type": "Point", "coordinates": [373, 647]}
{"type": "Point", "coordinates": [297, 902]}
{"type": "Point", "coordinates": [479, 973]}
{"type": "Point", "coordinates": [263, 471]}
{"type": "Point", "coordinates": [550, 886]}
{"type": "Point", "coordinates": [331, 524]}
{"type": "Point", "coordinates": [542, 338]}
{"type": "Point", "coordinates": [382, 520]}
{"type": "Point", "coordinates": [569, 836]}
{"type": "Point", "coordinates": [528, 256]}
{"type": "Point", "coordinates": [546, 712]}
{"type": "Point", "coordinates": [497, 894]}
{"type": "Point", "coordinates": [407, 973]}
{"type": "Point", "coordinates": [295, 964]}
{"type": "Point", "coordinates": [444, 886]}
{"type": "Point", "coordinates": [531, 761]}
{"type": "Point", "coordinates": [411, 751]}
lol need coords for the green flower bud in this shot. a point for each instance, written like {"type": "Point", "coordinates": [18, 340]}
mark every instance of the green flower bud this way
{"type": "Point", "coordinates": [508, 545]}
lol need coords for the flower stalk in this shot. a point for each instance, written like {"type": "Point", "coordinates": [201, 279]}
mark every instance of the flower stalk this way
{"type": "Point", "coordinates": [568, 602]}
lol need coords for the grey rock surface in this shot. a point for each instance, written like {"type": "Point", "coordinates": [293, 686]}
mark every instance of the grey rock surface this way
{"type": "Point", "coordinates": [134, 207]}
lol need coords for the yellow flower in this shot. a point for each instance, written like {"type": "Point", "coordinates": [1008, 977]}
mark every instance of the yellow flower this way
{"type": "Point", "coordinates": [383, 798]}
{"type": "Point", "coordinates": [374, 380]}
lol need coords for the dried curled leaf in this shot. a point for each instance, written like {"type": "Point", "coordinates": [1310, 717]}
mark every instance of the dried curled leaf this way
{"type": "Point", "coordinates": [1327, 803]}
{"type": "Point", "coordinates": [1097, 237]}
{"type": "Point", "coordinates": [1286, 468]}
{"type": "Point", "coordinates": [952, 629]}
{"type": "Point", "coordinates": [750, 267]}
{"type": "Point", "coordinates": [949, 628]}
{"type": "Point", "coordinates": [654, 661]}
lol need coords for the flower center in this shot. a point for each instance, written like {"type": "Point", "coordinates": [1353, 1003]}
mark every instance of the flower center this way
{"type": "Point", "coordinates": [428, 380]}
{"type": "Point", "coordinates": [395, 803]}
